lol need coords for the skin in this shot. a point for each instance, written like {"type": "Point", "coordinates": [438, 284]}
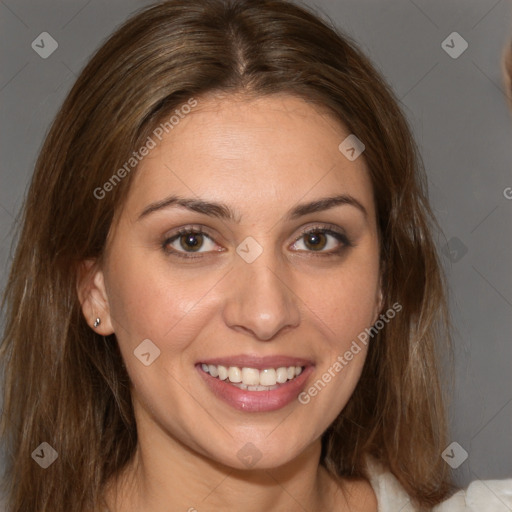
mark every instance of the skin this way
{"type": "Point", "coordinates": [261, 157]}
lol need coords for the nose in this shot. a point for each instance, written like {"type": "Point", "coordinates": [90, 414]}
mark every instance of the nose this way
{"type": "Point", "coordinates": [260, 300]}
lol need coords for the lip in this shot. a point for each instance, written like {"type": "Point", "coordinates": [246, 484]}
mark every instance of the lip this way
{"type": "Point", "coordinates": [257, 401]}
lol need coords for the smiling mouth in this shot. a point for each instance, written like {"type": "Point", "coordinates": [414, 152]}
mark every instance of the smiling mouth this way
{"type": "Point", "coordinates": [252, 379]}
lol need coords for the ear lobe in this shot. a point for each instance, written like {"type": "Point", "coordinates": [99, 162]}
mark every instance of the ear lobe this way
{"type": "Point", "coordinates": [93, 297]}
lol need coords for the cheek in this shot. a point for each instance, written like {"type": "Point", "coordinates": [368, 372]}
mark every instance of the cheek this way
{"type": "Point", "coordinates": [343, 310]}
{"type": "Point", "coordinates": [169, 310]}
{"type": "Point", "coordinates": [346, 302]}
{"type": "Point", "coordinates": [150, 301]}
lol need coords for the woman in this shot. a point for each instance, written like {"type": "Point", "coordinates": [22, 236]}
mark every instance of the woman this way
{"type": "Point", "coordinates": [227, 269]}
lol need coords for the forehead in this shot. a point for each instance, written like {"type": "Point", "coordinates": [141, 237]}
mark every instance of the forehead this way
{"type": "Point", "coordinates": [271, 149]}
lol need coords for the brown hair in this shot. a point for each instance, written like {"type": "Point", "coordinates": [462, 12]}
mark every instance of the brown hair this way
{"type": "Point", "coordinates": [66, 385]}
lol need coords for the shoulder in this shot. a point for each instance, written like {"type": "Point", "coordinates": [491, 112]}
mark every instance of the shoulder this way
{"type": "Point", "coordinates": [480, 496]}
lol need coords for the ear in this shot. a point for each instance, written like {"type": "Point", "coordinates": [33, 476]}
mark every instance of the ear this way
{"type": "Point", "coordinates": [379, 301]}
{"type": "Point", "coordinates": [93, 297]}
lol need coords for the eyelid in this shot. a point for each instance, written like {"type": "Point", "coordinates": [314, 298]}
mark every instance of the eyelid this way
{"type": "Point", "coordinates": [328, 228]}
{"type": "Point", "coordinates": [190, 228]}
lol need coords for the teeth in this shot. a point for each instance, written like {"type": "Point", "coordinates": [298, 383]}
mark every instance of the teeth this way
{"type": "Point", "coordinates": [268, 377]}
{"type": "Point", "coordinates": [223, 372]}
{"type": "Point", "coordinates": [250, 376]}
{"type": "Point", "coordinates": [252, 379]}
{"type": "Point", "coordinates": [234, 374]}
{"type": "Point", "coordinates": [282, 375]}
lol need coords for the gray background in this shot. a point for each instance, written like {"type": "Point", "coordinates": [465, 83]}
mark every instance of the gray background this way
{"type": "Point", "coordinates": [458, 112]}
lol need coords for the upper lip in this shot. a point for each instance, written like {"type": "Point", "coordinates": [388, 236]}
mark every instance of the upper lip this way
{"type": "Point", "coordinates": [257, 362]}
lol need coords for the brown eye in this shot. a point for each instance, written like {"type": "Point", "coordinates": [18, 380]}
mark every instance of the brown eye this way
{"type": "Point", "coordinates": [188, 241]}
{"type": "Point", "coordinates": [315, 240]}
{"type": "Point", "coordinates": [191, 241]}
{"type": "Point", "coordinates": [324, 241]}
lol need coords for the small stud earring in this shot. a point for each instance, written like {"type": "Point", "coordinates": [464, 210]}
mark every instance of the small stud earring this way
{"type": "Point", "coordinates": [97, 322]}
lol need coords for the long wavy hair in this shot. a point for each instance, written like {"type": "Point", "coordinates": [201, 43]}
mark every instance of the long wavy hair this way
{"type": "Point", "coordinates": [68, 386]}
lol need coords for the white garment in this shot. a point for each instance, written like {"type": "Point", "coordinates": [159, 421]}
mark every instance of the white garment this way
{"type": "Point", "coordinates": [480, 496]}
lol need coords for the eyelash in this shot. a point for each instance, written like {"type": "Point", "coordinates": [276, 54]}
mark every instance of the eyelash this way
{"type": "Point", "coordinates": [325, 229]}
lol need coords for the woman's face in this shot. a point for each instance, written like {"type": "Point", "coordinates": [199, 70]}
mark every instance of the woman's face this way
{"type": "Point", "coordinates": [251, 297]}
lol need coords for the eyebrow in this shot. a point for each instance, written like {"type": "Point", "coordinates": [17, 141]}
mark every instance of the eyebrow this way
{"type": "Point", "coordinates": [223, 211]}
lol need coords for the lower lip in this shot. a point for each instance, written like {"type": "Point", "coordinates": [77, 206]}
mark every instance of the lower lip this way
{"type": "Point", "coordinates": [257, 401]}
